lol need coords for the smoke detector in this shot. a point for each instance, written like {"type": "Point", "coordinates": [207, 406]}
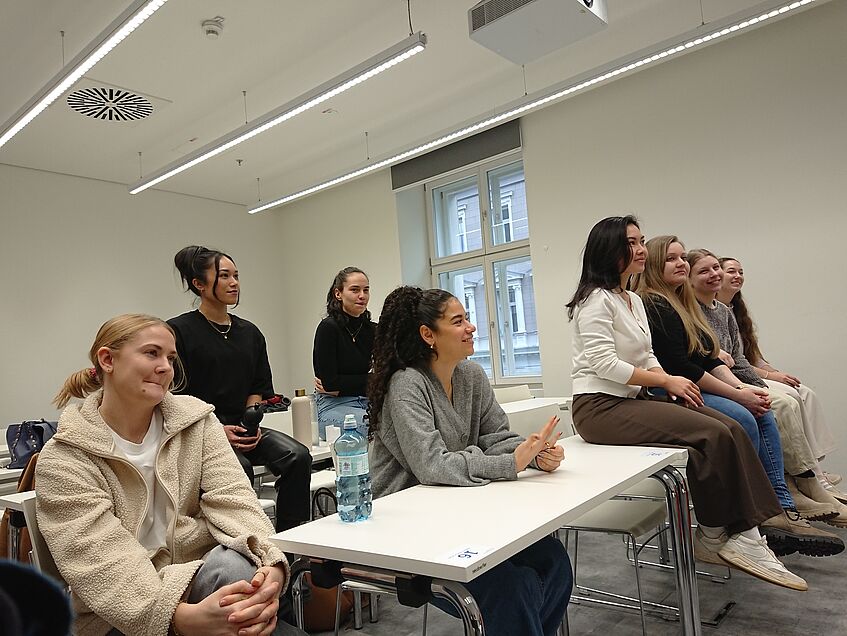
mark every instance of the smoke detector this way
{"type": "Point", "coordinates": [213, 27]}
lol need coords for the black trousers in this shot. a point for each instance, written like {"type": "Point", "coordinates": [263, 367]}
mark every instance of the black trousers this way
{"type": "Point", "coordinates": [291, 464]}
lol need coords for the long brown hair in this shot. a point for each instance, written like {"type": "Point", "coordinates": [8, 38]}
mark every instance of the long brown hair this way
{"type": "Point", "coordinates": [746, 326]}
{"type": "Point", "coordinates": [113, 334]}
{"type": "Point", "coordinates": [652, 288]}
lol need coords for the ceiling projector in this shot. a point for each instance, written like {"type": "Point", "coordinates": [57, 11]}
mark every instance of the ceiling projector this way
{"type": "Point", "coordinates": [524, 30]}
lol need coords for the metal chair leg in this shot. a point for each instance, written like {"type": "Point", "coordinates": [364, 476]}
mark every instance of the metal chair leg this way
{"type": "Point", "coordinates": [337, 608]}
{"type": "Point", "coordinates": [357, 609]}
{"type": "Point", "coordinates": [423, 629]}
{"type": "Point", "coordinates": [373, 607]}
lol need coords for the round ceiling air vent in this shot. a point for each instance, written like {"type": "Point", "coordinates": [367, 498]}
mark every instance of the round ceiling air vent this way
{"type": "Point", "coordinates": [111, 104]}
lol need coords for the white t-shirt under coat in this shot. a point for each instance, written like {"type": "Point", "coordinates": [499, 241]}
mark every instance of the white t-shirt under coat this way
{"type": "Point", "coordinates": [153, 532]}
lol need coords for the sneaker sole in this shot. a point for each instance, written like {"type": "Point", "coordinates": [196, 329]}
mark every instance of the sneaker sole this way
{"type": "Point", "coordinates": [783, 544]}
{"type": "Point", "coordinates": [744, 564]}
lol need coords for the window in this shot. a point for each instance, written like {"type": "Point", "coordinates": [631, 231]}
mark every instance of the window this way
{"type": "Point", "coordinates": [480, 253]}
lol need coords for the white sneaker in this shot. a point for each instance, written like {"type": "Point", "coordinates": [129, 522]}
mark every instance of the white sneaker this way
{"type": "Point", "coordinates": [833, 478]}
{"type": "Point", "coordinates": [706, 549]}
{"type": "Point", "coordinates": [755, 558]}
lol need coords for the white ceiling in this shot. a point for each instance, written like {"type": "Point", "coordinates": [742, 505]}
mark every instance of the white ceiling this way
{"type": "Point", "coordinates": [277, 50]}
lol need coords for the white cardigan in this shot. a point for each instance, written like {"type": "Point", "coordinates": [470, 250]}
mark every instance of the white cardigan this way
{"type": "Point", "coordinates": [609, 343]}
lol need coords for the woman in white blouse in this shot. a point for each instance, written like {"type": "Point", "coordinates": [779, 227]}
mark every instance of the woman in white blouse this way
{"type": "Point", "coordinates": [613, 364]}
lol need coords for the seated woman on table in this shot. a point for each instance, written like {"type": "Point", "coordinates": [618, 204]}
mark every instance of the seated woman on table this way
{"type": "Point", "coordinates": [818, 432]}
{"type": "Point", "coordinates": [341, 357]}
{"type": "Point", "coordinates": [145, 508]}
{"type": "Point", "coordinates": [435, 421]}
{"type": "Point", "coordinates": [812, 500]}
{"type": "Point", "coordinates": [613, 364]}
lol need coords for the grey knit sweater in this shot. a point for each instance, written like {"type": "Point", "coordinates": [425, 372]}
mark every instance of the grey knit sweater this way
{"type": "Point", "coordinates": [424, 439]}
{"type": "Point", "coordinates": [723, 322]}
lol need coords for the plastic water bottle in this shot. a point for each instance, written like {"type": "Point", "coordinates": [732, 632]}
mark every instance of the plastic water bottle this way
{"type": "Point", "coordinates": [352, 476]}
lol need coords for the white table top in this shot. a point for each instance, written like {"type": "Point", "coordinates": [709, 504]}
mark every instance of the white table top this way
{"type": "Point", "coordinates": [15, 500]}
{"type": "Point", "coordinates": [320, 452]}
{"type": "Point", "coordinates": [10, 474]}
{"type": "Point", "coordinates": [425, 529]}
{"type": "Point", "coordinates": [518, 405]}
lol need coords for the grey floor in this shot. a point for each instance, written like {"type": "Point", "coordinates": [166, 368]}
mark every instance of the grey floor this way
{"type": "Point", "coordinates": [760, 609]}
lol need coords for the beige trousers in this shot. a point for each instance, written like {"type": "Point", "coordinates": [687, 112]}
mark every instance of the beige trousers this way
{"type": "Point", "coordinates": [817, 431]}
{"type": "Point", "coordinates": [797, 455]}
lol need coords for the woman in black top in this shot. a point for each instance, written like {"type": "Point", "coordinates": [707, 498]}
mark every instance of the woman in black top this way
{"type": "Point", "coordinates": [342, 354]}
{"type": "Point", "coordinates": [225, 361]}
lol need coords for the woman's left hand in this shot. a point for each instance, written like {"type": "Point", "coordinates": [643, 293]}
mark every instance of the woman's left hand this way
{"type": "Point", "coordinates": [319, 387]}
{"type": "Point", "coordinates": [549, 459]}
{"type": "Point", "coordinates": [785, 378]}
{"type": "Point", "coordinates": [726, 358]}
{"type": "Point", "coordinates": [256, 613]}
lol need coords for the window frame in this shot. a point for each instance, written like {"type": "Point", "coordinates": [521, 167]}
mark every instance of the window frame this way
{"type": "Point", "coordinates": [484, 257]}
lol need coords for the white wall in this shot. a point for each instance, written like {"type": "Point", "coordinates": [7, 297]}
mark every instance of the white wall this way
{"type": "Point", "coordinates": [740, 148]}
{"type": "Point", "coordinates": [76, 252]}
{"type": "Point", "coordinates": [352, 225]}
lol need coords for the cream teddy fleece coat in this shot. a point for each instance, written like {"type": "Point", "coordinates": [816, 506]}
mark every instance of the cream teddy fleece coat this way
{"type": "Point", "coordinates": [90, 502]}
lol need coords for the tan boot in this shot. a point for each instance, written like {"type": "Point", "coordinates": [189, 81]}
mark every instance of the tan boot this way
{"type": "Point", "coordinates": [809, 508]}
{"type": "Point", "coordinates": [811, 487]}
{"type": "Point", "coordinates": [788, 533]}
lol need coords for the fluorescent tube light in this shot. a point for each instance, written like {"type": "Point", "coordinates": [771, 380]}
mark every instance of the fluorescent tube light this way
{"type": "Point", "coordinates": [522, 108]}
{"type": "Point", "coordinates": [96, 50]}
{"type": "Point", "coordinates": [401, 51]}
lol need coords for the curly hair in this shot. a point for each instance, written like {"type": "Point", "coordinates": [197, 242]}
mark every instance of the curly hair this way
{"type": "Point", "coordinates": [333, 304]}
{"type": "Point", "coordinates": [398, 343]}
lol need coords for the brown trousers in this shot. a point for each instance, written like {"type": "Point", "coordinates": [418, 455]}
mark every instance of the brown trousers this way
{"type": "Point", "coordinates": [728, 484]}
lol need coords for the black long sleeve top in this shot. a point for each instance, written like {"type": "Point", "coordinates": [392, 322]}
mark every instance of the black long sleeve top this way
{"type": "Point", "coordinates": [670, 342]}
{"type": "Point", "coordinates": [222, 371]}
{"type": "Point", "coordinates": [341, 357]}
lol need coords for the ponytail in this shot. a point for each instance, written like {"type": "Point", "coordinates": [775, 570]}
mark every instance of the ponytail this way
{"type": "Point", "coordinates": [78, 385]}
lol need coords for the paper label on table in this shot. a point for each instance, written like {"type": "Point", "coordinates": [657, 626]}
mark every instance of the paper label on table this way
{"type": "Point", "coordinates": [657, 452]}
{"type": "Point", "coordinates": [467, 554]}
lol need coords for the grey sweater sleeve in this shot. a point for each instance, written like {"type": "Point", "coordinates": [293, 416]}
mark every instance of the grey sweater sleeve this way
{"type": "Point", "coordinates": [415, 411]}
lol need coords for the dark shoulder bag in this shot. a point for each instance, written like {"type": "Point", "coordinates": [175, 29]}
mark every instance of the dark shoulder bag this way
{"type": "Point", "coordinates": [26, 439]}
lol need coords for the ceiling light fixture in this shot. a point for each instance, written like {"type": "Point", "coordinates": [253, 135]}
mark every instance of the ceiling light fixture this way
{"type": "Point", "coordinates": [401, 51]}
{"type": "Point", "coordinates": [663, 52]}
{"type": "Point", "coordinates": [96, 50]}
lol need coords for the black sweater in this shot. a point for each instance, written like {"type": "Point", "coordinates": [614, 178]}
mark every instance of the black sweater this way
{"type": "Point", "coordinates": [340, 363]}
{"type": "Point", "coordinates": [670, 342]}
{"type": "Point", "coordinates": [222, 371]}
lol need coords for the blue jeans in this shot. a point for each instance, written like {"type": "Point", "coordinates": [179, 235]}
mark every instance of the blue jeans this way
{"type": "Point", "coordinates": [765, 437]}
{"type": "Point", "coordinates": [527, 594]}
{"type": "Point", "coordinates": [331, 410]}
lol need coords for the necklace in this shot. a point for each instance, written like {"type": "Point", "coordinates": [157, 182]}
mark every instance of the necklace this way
{"type": "Point", "coordinates": [217, 328]}
{"type": "Point", "coordinates": [353, 335]}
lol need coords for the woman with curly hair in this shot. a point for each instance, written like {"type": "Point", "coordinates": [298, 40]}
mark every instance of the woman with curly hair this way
{"type": "Point", "coordinates": [341, 357]}
{"type": "Point", "coordinates": [435, 421]}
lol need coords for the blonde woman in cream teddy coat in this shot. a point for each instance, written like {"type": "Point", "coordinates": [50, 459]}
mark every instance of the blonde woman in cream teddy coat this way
{"type": "Point", "coordinates": [92, 501]}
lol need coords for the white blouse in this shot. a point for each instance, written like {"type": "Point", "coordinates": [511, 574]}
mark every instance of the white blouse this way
{"type": "Point", "coordinates": [609, 343]}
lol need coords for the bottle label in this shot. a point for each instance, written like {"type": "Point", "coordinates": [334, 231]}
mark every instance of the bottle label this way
{"type": "Point", "coordinates": [352, 465]}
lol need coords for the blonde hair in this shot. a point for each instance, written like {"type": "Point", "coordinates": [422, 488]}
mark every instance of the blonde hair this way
{"type": "Point", "coordinates": [696, 254]}
{"type": "Point", "coordinates": [651, 286]}
{"type": "Point", "coordinates": [113, 334]}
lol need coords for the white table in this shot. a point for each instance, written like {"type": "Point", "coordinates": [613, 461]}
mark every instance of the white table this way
{"type": "Point", "coordinates": [406, 538]}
